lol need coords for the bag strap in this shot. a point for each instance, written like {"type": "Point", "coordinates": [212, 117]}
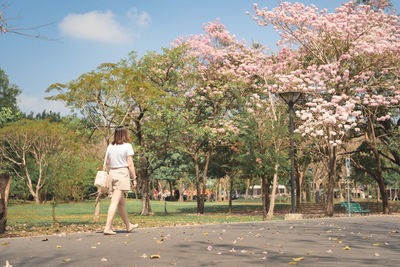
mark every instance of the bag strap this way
{"type": "Point", "coordinates": [105, 159]}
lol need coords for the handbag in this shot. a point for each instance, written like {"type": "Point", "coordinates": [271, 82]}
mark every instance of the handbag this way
{"type": "Point", "coordinates": [101, 176]}
{"type": "Point", "coordinates": [101, 179]}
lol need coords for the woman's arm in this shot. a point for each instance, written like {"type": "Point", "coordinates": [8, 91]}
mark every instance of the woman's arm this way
{"type": "Point", "coordinates": [131, 168]}
{"type": "Point", "coordinates": [105, 168]}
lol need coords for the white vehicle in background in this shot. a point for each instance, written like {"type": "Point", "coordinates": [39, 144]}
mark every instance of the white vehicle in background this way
{"type": "Point", "coordinates": [281, 190]}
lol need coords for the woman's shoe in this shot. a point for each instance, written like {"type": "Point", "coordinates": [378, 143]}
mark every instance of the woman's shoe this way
{"type": "Point", "coordinates": [109, 232]}
{"type": "Point", "coordinates": [131, 227]}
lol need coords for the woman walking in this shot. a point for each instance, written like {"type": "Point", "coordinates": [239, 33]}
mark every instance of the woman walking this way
{"type": "Point", "coordinates": [119, 161]}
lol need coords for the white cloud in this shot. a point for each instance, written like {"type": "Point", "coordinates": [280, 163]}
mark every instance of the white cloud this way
{"type": "Point", "coordinates": [95, 26]}
{"type": "Point", "coordinates": [28, 104]}
{"type": "Point", "coordinates": [143, 19]}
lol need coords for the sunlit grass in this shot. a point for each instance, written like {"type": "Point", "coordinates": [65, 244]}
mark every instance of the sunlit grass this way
{"type": "Point", "coordinates": [32, 219]}
{"type": "Point", "coordinates": [177, 212]}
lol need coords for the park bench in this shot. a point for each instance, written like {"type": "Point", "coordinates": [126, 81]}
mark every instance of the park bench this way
{"type": "Point", "coordinates": [355, 207]}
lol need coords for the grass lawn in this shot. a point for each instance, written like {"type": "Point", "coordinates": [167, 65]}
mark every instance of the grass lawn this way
{"type": "Point", "coordinates": [31, 219]}
{"type": "Point", "coordinates": [26, 219]}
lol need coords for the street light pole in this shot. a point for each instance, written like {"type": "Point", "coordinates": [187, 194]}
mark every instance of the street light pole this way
{"type": "Point", "coordinates": [291, 98]}
{"type": "Point", "coordinates": [291, 130]}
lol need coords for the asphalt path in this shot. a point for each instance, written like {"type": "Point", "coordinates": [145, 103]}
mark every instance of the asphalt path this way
{"type": "Point", "coordinates": [356, 241]}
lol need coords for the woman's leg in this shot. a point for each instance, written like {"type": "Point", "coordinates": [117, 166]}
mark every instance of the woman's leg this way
{"type": "Point", "coordinates": [122, 211]}
{"type": "Point", "coordinates": [115, 199]}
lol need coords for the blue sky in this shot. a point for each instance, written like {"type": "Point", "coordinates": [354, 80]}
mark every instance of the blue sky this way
{"type": "Point", "coordinates": [87, 33]}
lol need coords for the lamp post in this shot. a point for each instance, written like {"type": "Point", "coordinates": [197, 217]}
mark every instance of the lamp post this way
{"type": "Point", "coordinates": [291, 98]}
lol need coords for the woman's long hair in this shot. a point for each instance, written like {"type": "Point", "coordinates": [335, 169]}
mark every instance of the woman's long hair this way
{"type": "Point", "coordinates": [121, 135]}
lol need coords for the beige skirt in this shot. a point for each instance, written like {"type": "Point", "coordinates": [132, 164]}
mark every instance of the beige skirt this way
{"type": "Point", "coordinates": [119, 179]}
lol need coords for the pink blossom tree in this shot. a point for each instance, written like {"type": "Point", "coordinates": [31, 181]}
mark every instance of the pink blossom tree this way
{"type": "Point", "coordinates": [219, 71]}
{"type": "Point", "coordinates": [341, 60]}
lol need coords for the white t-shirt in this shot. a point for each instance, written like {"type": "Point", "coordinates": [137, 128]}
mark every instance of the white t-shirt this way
{"type": "Point", "coordinates": [117, 155]}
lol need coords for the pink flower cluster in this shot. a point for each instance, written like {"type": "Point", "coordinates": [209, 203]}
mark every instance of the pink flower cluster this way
{"type": "Point", "coordinates": [346, 62]}
{"type": "Point", "coordinates": [330, 120]}
{"type": "Point", "coordinates": [219, 60]}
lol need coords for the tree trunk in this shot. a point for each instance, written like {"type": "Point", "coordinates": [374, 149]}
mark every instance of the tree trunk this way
{"type": "Point", "coordinates": [53, 205]}
{"type": "Point", "coordinates": [331, 180]}
{"type": "Point", "coordinates": [252, 190]}
{"type": "Point", "coordinates": [205, 178]}
{"type": "Point", "coordinates": [219, 195]}
{"type": "Point", "coordinates": [145, 182]}
{"type": "Point", "coordinates": [191, 192]}
{"type": "Point", "coordinates": [146, 208]}
{"type": "Point", "coordinates": [298, 187]}
{"type": "Point", "coordinates": [303, 186]}
{"type": "Point", "coordinates": [160, 191]}
{"type": "Point", "coordinates": [378, 195]}
{"type": "Point", "coordinates": [171, 193]}
{"type": "Point", "coordinates": [198, 188]}
{"type": "Point", "coordinates": [265, 196]}
{"type": "Point", "coordinates": [230, 178]}
{"type": "Point", "coordinates": [383, 193]}
{"type": "Point", "coordinates": [136, 193]}
{"type": "Point", "coordinates": [96, 216]}
{"type": "Point", "coordinates": [36, 198]}
{"type": "Point", "coordinates": [180, 190]}
{"type": "Point", "coordinates": [340, 191]}
{"type": "Point", "coordinates": [381, 182]}
{"type": "Point", "coordinates": [152, 193]}
{"type": "Point", "coordinates": [5, 182]}
{"type": "Point", "coordinates": [314, 187]}
{"type": "Point", "coordinates": [30, 185]}
{"type": "Point", "coordinates": [200, 204]}
{"type": "Point", "coordinates": [272, 199]}
{"type": "Point", "coordinates": [246, 195]}
{"type": "Point", "coordinates": [226, 189]}
{"type": "Point", "coordinates": [378, 176]}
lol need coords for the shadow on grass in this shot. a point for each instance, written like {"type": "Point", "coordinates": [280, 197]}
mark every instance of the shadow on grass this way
{"type": "Point", "coordinates": [244, 209]}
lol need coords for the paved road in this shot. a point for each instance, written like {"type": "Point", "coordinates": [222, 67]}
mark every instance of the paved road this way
{"type": "Point", "coordinates": [372, 241]}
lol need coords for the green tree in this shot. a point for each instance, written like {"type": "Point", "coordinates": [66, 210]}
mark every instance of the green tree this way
{"type": "Point", "coordinates": [8, 115]}
{"type": "Point", "coordinates": [8, 92]}
{"type": "Point", "coordinates": [27, 140]}
{"type": "Point", "coordinates": [153, 119]}
{"type": "Point", "coordinates": [125, 93]}
{"type": "Point", "coordinates": [263, 145]}
{"type": "Point", "coordinates": [103, 96]}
